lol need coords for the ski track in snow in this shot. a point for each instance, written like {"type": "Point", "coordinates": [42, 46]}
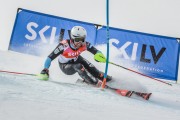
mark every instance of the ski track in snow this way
{"type": "Point", "coordinates": [24, 97]}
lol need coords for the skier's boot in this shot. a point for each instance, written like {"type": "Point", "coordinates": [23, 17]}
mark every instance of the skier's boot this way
{"type": "Point", "coordinates": [88, 79]}
{"type": "Point", "coordinates": [101, 77]}
{"type": "Point", "coordinates": [99, 83]}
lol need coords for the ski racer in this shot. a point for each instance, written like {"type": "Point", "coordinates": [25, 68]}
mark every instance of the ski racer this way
{"type": "Point", "coordinates": [70, 61]}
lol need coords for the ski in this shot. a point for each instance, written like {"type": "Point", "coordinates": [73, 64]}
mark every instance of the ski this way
{"type": "Point", "coordinates": [145, 96]}
{"type": "Point", "coordinates": [128, 93]}
{"type": "Point", "coordinates": [122, 92]}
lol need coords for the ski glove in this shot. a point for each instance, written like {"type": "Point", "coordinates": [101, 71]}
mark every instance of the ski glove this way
{"type": "Point", "coordinates": [45, 71]}
{"type": "Point", "coordinates": [44, 75]}
{"type": "Point", "coordinates": [99, 57]}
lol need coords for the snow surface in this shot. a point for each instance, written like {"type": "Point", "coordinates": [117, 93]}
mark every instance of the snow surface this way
{"type": "Point", "coordinates": [24, 97]}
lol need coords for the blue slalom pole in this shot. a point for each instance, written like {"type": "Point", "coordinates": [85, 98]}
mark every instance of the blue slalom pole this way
{"type": "Point", "coordinates": [107, 36]}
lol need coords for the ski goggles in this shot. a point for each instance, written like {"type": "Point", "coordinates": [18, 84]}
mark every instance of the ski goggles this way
{"type": "Point", "coordinates": [79, 39]}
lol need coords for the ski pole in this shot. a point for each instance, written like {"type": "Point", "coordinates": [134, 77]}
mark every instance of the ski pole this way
{"type": "Point", "coordinates": [17, 73]}
{"type": "Point", "coordinates": [140, 73]}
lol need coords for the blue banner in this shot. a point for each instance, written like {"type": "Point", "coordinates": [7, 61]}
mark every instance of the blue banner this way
{"type": "Point", "coordinates": [152, 55]}
{"type": "Point", "coordinates": [37, 34]}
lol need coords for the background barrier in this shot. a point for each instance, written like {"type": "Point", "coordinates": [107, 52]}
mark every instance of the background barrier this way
{"type": "Point", "coordinates": [37, 34]}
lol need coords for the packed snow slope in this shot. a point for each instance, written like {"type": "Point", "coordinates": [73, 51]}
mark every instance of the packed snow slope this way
{"type": "Point", "coordinates": [23, 97]}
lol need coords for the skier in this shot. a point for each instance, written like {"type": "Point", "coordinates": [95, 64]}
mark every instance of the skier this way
{"type": "Point", "coordinates": [70, 60]}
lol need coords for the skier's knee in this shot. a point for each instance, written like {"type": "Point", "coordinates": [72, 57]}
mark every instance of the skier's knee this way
{"type": "Point", "coordinates": [79, 68]}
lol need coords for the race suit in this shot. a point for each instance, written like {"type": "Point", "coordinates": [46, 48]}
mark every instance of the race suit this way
{"type": "Point", "coordinates": [70, 61]}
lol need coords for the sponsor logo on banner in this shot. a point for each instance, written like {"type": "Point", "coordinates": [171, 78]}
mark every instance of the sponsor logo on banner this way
{"type": "Point", "coordinates": [33, 33]}
{"type": "Point", "coordinates": [156, 55]}
{"type": "Point", "coordinates": [37, 33]}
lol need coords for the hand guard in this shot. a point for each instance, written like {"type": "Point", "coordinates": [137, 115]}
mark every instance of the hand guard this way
{"type": "Point", "coordinates": [44, 75]}
{"type": "Point", "coordinates": [45, 71]}
{"type": "Point", "coordinates": [99, 57]}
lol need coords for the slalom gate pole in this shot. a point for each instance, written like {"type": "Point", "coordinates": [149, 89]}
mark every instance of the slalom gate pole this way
{"type": "Point", "coordinates": [140, 73]}
{"type": "Point", "coordinates": [107, 36]}
{"type": "Point", "coordinates": [17, 73]}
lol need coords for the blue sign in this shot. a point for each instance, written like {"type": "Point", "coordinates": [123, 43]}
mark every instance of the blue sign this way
{"type": "Point", "coordinates": [149, 54]}
{"type": "Point", "coordinates": [156, 56]}
{"type": "Point", "coordinates": [37, 34]}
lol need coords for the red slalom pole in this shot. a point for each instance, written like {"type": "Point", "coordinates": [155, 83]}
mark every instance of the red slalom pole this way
{"type": "Point", "coordinates": [140, 73]}
{"type": "Point", "coordinates": [17, 73]}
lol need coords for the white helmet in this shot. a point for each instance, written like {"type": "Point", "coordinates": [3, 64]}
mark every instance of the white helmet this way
{"type": "Point", "coordinates": [78, 34]}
